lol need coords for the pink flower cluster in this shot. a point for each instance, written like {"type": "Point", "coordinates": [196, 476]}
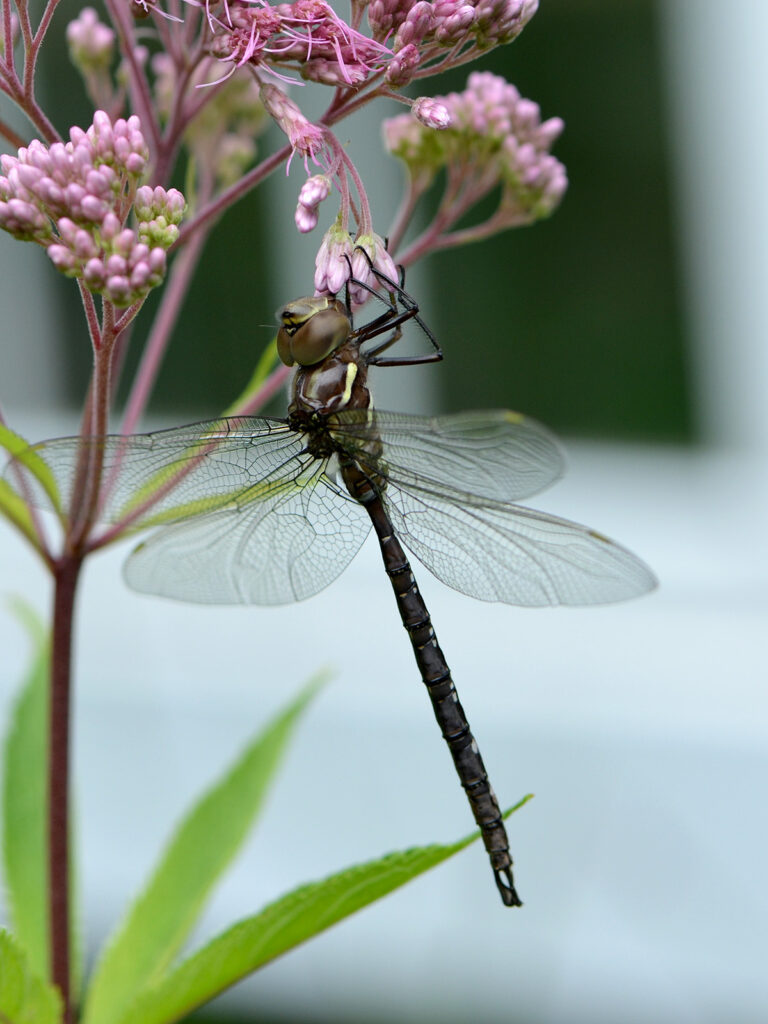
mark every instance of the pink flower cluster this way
{"type": "Point", "coordinates": [306, 35]}
{"type": "Point", "coordinates": [495, 137]}
{"type": "Point", "coordinates": [74, 198]}
{"type": "Point", "coordinates": [420, 32]}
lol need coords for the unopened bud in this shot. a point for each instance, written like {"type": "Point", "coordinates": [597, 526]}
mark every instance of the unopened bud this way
{"type": "Point", "coordinates": [431, 113]}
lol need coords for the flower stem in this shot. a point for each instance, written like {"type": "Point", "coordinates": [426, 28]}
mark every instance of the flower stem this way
{"type": "Point", "coordinates": [65, 584]}
{"type": "Point", "coordinates": [182, 271]}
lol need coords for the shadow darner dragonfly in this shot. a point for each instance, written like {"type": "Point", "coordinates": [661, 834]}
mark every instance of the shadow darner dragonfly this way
{"type": "Point", "coordinates": [257, 510]}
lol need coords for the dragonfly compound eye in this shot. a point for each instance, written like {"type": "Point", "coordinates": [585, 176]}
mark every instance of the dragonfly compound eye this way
{"type": "Point", "coordinates": [311, 329]}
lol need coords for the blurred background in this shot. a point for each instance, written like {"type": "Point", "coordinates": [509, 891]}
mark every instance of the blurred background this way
{"type": "Point", "coordinates": [634, 322]}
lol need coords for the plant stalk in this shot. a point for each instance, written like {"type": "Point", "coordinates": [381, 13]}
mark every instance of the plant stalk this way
{"type": "Point", "coordinates": [65, 585]}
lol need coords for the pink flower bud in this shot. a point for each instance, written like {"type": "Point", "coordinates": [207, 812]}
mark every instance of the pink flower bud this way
{"type": "Point", "coordinates": [50, 194]}
{"type": "Point", "coordinates": [23, 220]}
{"type": "Point", "coordinates": [117, 289]}
{"type": "Point", "coordinates": [83, 245]}
{"type": "Point", "coordinates": [158, 261]}
{"type": "Point", "coordinates": [549, 131]}
{"type": "Point", "coordinates": [93, 208]}
{"type": "Point", "coordinates": [99, 182]}
{"type": "Point", "coordinates": [91, 44]}
{"type": "Point", "coordinates": [417, 25]}
{"type": "Point", "coordinates": [331, 266]}
{"type": "Point", "coordinates": [94, 274]}
{"type": "Point", "coordinates": [140, 276]}
{"type": "Point", "coordinates": [452, 21]}
{"type": "Point", "coordinates": [116, 265]}
{"type": "Point", "coordinates": [175, 205]}
{"type": "Point", "coordinates": [143, 201]}
{"type": "Point", "coordinates": [110, 226]}
{"type": "Point", "coordinates": [306, 218]}
{"type": "Point", "coordinates": [315, 190]}
{"type": "Point", "coordinates": [431, 113]}
{"type": "Point", "coordinates": [369, 254]}
{"type": "Point", "coordinates": [38, 156]}
{"type": "Point", "coordinates": [312, 193]}
{"type": "Point", "coordinates": [139, 253]}
{"type": "Point", "coordinates": [401, 68]}
{"type": "Point", "coordinates": [67, 230]}
{"type": "Point", "coordinates": [28, 176]}
{"type": "Point", "coordinates": [62, 258]}
{"type": "Point", "coordinates": [135, 164]}
{"type": "Point", "coordinates": [123, 243]}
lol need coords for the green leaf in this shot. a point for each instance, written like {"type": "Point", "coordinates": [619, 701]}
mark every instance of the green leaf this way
{"type": "Point", "coordinates": [25, 802]}
{"type": "Point", "coordinates": [204, 844]}
{"type": "Point", "coordinates": [24, 997]}
{"type": "Point", "coordinates": [15, 509]}
{"type": "Point", "coordinates": [279, 927]}
{"type": "Point", "coordinates": [20, 450]}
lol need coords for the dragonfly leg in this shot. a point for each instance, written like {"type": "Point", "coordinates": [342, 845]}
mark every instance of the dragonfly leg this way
{"type": "Point", "coordinates": [391, 319]}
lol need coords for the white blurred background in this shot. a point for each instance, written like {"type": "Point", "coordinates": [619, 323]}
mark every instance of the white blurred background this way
{"type": "Point", "coordinates": [640, 728]}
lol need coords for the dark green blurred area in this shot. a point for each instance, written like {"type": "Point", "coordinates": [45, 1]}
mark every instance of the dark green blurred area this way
{"type": "Point", "coordinates": [575, 320]}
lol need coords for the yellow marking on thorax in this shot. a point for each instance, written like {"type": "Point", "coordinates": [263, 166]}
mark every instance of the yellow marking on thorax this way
{"type": "Point", "coordinates": [351, 375]}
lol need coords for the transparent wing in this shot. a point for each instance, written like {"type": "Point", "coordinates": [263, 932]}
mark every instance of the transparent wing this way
{"type": "Point", "coordinates": [451, 481]}
{"type": "Point", "coordinates": [252, 517]}
{"type": "Point", "coordinates": [170, 474]}
{"type": "Point", "coordinates": [498, 551]}
{"type": "Point", "coordinates": [498, 455]}
{"type": "Point", "coordinates": [287, 545]}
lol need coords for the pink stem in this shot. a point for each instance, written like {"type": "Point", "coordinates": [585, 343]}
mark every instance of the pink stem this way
{"type": "Point", "coordinates": [222, 202]}
{"type": "Point", "coordinates": [173, 295]}
{"type": "Point", "coordinates": [65, 582]}
{"type": "Point", "coordinates": [139, 87]}
{"type": "Point", "coordinates": [403, 218]}
{"type": "Point", "coordinates": [269, 389]}
{"type": "Point", "coordinates": [11, 136]}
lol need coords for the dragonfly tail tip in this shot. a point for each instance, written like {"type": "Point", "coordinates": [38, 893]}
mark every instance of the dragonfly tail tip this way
{"type": "Point", "coordinates": [506, 888]}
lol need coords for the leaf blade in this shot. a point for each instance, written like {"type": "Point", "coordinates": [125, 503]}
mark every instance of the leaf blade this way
{"type": "Point", "coordinates": [24, 997]}
{"type": "Point", "coordinates": [21, 451]}
{"type": "Point", "coordinates": [162, 916]}
{"type": "Point", "coordinates": [279, 927]}
{"type": "Point", "coordinates": [25, 802]}
{"type": "Point", "coordinates": [17, 512]}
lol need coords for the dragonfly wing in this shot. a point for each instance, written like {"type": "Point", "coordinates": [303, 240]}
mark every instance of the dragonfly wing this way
{"type": "Point", "coordinates": [170, 474]}
{"type": "Point", "coordinates": [503, 552]}
{"type": "Point", "coordinates": [498, 455]}
{"type": "Point", "coordinates": [287, 542]}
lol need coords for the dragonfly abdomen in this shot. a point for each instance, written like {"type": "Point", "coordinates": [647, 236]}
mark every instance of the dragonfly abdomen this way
{"type": "Point", "coordinates": [436, 676]}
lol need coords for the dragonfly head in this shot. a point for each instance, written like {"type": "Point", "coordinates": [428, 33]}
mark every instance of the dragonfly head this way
{"type": "Point", "coordinates": [311, 329]}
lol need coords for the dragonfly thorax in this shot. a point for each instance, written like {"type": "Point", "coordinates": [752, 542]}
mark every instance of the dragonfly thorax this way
{"type": "Point", "coordinates": [338, 382]}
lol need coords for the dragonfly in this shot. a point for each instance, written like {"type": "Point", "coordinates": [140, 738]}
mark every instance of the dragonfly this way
{"type": "Point", "coordinates": [265, 511]}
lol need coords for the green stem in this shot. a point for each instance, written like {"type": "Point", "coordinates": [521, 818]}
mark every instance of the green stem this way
{"type": "Point", "coordinates": [65, 584]}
